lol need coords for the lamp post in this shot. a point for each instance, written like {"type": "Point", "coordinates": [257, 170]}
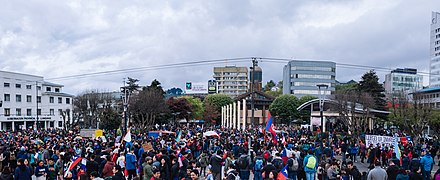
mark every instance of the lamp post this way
{"type": "Point", "coordinates": [321, 104]}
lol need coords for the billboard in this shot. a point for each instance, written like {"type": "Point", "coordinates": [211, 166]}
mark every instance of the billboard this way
{"type": "Point", "coordinates": [212, 87]}
{"type": "Point", "coordinates": [196, 88]}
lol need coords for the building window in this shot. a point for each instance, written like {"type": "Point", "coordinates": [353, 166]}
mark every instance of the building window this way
{"type": "Point", "coordinates": [52, 112]}
{"type": "Point", "coordinates": [6, 84]}
{"type": "Point", "coordinates": [28, 98]}
{"type": "Point", "coordinates": [48, 89]}
{"type": "Point", "coordinates": [39, 88]}
{"type": "Point", "coordinates": [18, 98]}
{"type": "Point", "coordinates": [18, 112]}
{"type": "Point", "coordinates": [28, 112]}
{"type": "Point", "coordinates": [17, 85]}
{"type": "Point", "coordinates": [67, 100]}
{"type": "Point", "coordinates": [38, 99]}
{"type": "Point", "coordinates": [28, 86]}
{"type": "Point", "coordinates": [57, 89]}
{"type": "Point", "coordinates": [60, 100]}
{"type": "Point", "coordinates": [39, 112]}
{"type": "Point", "coordinates": [7, 112]}
{"type": "Point", "coordinates": [60, 123]}
{"type": "Point", "coordinates": [7, 98]}
{"type": "Point", "coordinates": [60, 112]}
{"type": "Point", "coordinates": [51, 99]}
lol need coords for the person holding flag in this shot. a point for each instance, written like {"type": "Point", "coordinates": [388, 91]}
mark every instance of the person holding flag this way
{"type": "Point", "coordinates": [270, 128]}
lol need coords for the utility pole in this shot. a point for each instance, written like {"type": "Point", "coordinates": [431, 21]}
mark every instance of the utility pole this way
{"type": "Point", "coordinates": [254, 63]}
{"type": "Point", "coordinates": [321, 104]}
{"type": "Point", "coordinates": [125, 104]}
{"type": "Point", "coordinates": [36, 100]}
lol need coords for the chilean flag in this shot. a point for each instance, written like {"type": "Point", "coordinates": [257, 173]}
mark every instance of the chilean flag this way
{"type": "Point", "coordinates": [269, 127]}
{"type": "Point", "coordinates": [284, 156]}
{"type": "Point", "coordinates": [282, 175]}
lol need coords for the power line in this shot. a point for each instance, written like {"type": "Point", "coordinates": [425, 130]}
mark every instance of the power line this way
{"type": "Point", "coordinates": [217, 61]}
{"type": "Point", "coordinates": [155, 67]}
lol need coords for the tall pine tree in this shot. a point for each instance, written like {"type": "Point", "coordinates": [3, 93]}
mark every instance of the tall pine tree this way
{"type": "Point", "coordinates": [370, 84]}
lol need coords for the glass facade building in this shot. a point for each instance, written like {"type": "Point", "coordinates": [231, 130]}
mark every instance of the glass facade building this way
{"type": "Point", "coordinates": [403, 80]}
{"type": "Point", "coordinates": [301, 78]}
{"type": "Point", "coordinates": [434, 70]}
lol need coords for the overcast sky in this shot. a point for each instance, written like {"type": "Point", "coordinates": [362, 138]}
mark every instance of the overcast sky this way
{"type": "Point", "coordinates": [54, 38]}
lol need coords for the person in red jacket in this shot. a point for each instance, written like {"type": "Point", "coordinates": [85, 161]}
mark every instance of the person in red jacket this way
{"type": "Point", "coordinates": [108, 168]}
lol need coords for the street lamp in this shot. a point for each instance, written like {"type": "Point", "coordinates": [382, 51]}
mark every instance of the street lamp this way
{"type": "Point", "coordinates": [321, 104]}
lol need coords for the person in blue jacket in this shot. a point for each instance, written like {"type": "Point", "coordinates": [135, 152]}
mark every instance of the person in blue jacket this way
{"type": "Point", "coordinates": [426, 163]}
{"type": "Point", "coordinates": [22, 172]}
{"type": "Point", "coordinates": [130, 164]}
{"type": "Point", "coordinates": [310, 165]}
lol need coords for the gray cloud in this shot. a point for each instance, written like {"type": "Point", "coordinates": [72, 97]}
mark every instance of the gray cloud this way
{"type": "Point", "coordinates": [57, 38]}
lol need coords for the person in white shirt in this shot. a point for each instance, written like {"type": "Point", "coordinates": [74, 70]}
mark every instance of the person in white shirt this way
{"type": "Point", "coordinates": [121, 161]}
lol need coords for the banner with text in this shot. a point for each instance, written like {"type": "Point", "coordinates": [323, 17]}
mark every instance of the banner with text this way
{"type": "Point", "coordinates": [382, 140]}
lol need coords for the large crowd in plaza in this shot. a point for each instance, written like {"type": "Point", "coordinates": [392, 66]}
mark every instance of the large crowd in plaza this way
{"type": "Point", "coordinates": [189, 153]}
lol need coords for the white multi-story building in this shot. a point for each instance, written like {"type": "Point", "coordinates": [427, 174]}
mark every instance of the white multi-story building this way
{"type": "Point", "coordinates": [231, 80]}
{"type": "Point", "coordinates": [434, 70]}
{"type": "Point", "coordinates": [28, 99]}
{"type": "Point", "coordinates": [403, 80]}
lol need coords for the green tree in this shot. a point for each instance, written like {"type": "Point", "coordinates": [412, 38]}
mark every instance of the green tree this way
{"type": "Point", "coordinates": [147, 106]}
{"type": "Point", "coordinates": [197, 107]}
{"type": "Point", "coordinates": [180, 107]}
{"type": "Point", "coordinates": [370, 84]}
{"type": "Point", "coordinates": [280, 85]}
{"type": "Point", "coordinates": [269, 85]}
{"type": "Point", "coordinates": [131, 85]}
{"type": "Point", "coordinates": [213, 104]}
{"type": "Point", "coordinates": [155, 84]}
{"type": "Point", "coordinates": [274, 93]}
{"type": "Point", "coordinates": [284, 107]}
{"type": "Point", "coordinates": [110, 119]}
{"type": "Point", "coordinates": [219, 100]}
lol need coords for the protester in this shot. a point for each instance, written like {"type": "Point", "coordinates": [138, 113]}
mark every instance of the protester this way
{"type": "Point", "coordinates": [310, 165]}
{"type": "Point", "coordinates": [426, 162]}
{"type": "Point", "coordinates": [378, 173]}
{"type": "Point", "coordinates": [6, 174]}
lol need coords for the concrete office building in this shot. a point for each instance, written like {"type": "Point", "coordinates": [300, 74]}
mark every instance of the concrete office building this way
{"type": "Point", "coordinates": [434, 70]}
{"type": "Point", "coordinates": [301, 78]}
{"type": "Point", "coordinates": [28, 98]}
{"type": "Point", "coordinates": [231, 80]}
{"type": "Point", "coordinates": [403, 80]}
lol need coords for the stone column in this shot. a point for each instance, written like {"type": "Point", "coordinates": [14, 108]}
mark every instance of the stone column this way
{"type": "Point", "coordinates": [238, 115]}
{"type": "Point", "coordinates": [230, 115]}
{"type": "Point", "coordinates": [226, 116]}
{"type": "Point", "coordinates": [244, 114]}
{"type": "Point", "coordinates": [13, 125]}
{"type": "Point", "coordinates": [222, 116]}
{"type": "Point", "coordinates": [234, 115]}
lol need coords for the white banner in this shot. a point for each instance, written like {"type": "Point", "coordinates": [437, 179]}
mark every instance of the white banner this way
{"type": "Point", "coordinates": [382, 140]}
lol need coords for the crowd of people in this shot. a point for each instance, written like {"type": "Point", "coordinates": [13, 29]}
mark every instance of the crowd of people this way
{"type": "Point", "coordinates": [188, 154]}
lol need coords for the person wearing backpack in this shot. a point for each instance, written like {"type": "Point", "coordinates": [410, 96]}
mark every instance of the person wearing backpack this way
{"type": "Point", "coordinates": [232, 173]}
{"type": "Point", "coordinates": [203, 160]}
{"type": "Point", "coordinates": [243, 166]}
{"type": "Point", "coordinates": [278, 162]}
{"type": "Point", "coordinates": [414, 164]}
{"type": "Point", "coordinates": [258, 168]}
{"type": "Point", "coordinates": [293, 166]}
{"type": "Point", "coordinates": [310, 165]}
{"type": "Point", "coordinates": [269, 167]}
